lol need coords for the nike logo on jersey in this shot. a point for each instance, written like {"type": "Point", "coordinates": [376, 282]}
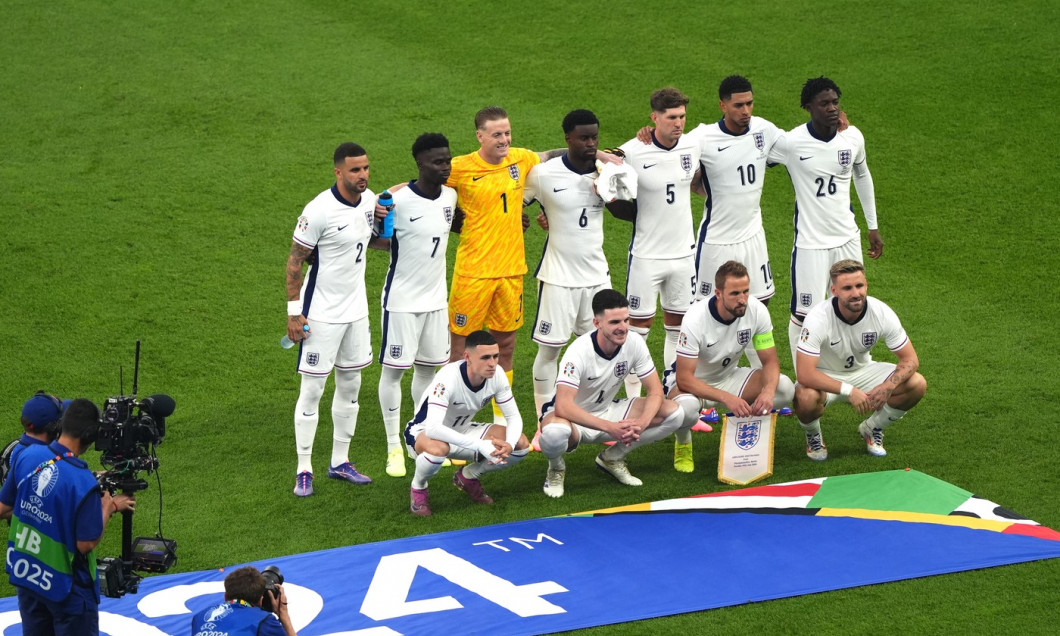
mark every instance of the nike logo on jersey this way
{"type": "Point", "coordinates": [458, 403]}
{"type": "Point", "coordinates": [801, 158]}
{"type": "Point", "coordinates": [720, 149]}
{"type": "Point", "coordinates": [648, 165]}
{"type": "Point", "coordinates": [477, 178]}
{"type": "Point", "coordinates": [711, 345]}
{"type": "Point", "coordinates": [414, 219]}
{"type": "Point", "coordinates": [558, 189]}
{"type": "Point", "coordinates": [590, 378]}
{"type": "Point", "coordinates": [343, 227]}
{"type": "Point", "coordinates": [836, 342]}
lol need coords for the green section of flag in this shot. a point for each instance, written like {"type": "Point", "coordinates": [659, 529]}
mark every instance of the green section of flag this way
{"type": "Point", "coordinates": [895, 490]}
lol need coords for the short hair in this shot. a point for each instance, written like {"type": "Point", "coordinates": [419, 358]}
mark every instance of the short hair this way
{"type": "Point", "coordinates": [81, 420]}
{"type": "Point", "coordinates": [817, 85]}
{"type": "Point", "coordinates": [608, 299]}
{"type": "Point", "coordinates": [845, 266]}
{"type": "Point", "coordinates": [348, 149]}
{"type": "Point", "coordinates": [580, 117]}
{"type": "Point", "coordinates": [245, 584]}
{"type": "Point", "coordinates": [428, 141]}
{"type": "Point", "coordinates": [478, 338]}
{"type": "Point", "coordinates": [728, 269]}
{"type": "Point", "coordinates": [489, 113]}
{"type": "Point", "coordinates": [666, 98]}
{"type": "Point", "coordinates": [733, 84]}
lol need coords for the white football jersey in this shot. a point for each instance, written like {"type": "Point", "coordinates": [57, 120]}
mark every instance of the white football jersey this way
{"type": "Point", "coordinates": [734, 169]}
{"type": "Point", "coordinates": [663, 228]}
{"type": "Point", "coordinates": [715, 344]}
{"type": "Point", "coordinates": [452, 392]}
{"type": "Point", "coordinates": [598, 377]}
{"type": "Point", "coordinates": [821, 175]}
{"type": "Point", "coordinates": [573, 255]}
{"type": "Point", "coordinates": [415, 281]}
{"type": "Point", "coordinates": [842, 346]}
{"type": "Point", "coordinates": [338, 233]}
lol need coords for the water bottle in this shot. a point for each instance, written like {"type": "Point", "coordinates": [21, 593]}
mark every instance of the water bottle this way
{"type": "Point", "coordinates": [287, 343]}
{"type": "Point", "coordinates": [386, 228]}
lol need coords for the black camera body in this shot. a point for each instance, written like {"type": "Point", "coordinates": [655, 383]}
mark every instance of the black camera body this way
{"type": "Point", "coordinates": [273, 577]}
{"type": "Point", "coordinates": [129, 431]}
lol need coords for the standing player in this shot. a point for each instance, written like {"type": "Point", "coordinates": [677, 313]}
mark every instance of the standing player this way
{"type": "Point", "coordinates": [328, 310]}
{"type": "Point", "coordinates": [584, 409]}
{"type": "Point", "coordinates": [487, 286]}
{"type": "Point", "coordinates": [443, 427]}
{"type": "Point", "coordinates": [415, 324]}
{"type": "Point", "coordinates": [734, 166]}
{"type": "Point", "coordinates": [822, 161]}
{"type": "Point", "coordinates": [834, 364]}
{"type": "Point", "coordinates": [714, 333]}
{"type": "Point", "coordinates": [661, 248]}
{"type": "Point", "coordinates": [573, 267]}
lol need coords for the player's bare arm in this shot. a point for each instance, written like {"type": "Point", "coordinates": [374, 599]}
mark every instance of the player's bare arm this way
{"type": "Point", "coordinates": [623, 210]}
{"type": "Point", "coordinates": [697, 183]}
{"type": "Point", "coordinates": [687, 382]}
{"type": "Point", "coordinates": [813, 378]}
{"type": "Point", "coordinates": [377, 243]}
{"type": "Point", "coordinates": [458, 220]}
{"type": "Point", "coordinates": [875, 244]}
{"type": "Point", "coordinates": [653, 399]}
{"type": "Point", "coordinates": [551, 154]}
{"type": "Point", "coordinates": [770, 372]}
{"type": "Point", "coordinates": [295, 264]}
{"type": "Point", "coordinates": [907, 365]}
{"type": "Point", "coordinates": [568, 409]}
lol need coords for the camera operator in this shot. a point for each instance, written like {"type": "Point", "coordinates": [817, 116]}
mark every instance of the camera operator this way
{"type": "Point", "coordinates": [40, 425]}
{"type": "Point", "coordinates": [59, 515]}
{"type": "Point", "coordinates": [241, 614]}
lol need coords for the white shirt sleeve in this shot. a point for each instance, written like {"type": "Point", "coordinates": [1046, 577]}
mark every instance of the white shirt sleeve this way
{"type": "Point", "coordinates": [310, 227]}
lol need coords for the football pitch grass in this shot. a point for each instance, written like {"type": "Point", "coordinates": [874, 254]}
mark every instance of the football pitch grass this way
{"type": "Point", "coordinates": [156, 156]}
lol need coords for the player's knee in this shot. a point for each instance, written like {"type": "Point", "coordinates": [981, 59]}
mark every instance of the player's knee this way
{"type": "Point", "coordinates": [432, 447]}
{"type": "Point", "coordinates": [672, 416]}
{"type": "Point", "coordinates": [522, 444]}
{"type": "Point", "coordinates": [919, 384]}
{"type": "Point", "coordinates": [689, 405]}
{"type": "Point", "coordinates": [312, 388]}
{"type": "Point", "coordinates": [555, 438]}
{"type": "Point", "coordinates": [785, 392]}
{"type": "Point", "coordinates": [808, 400]}
{"type": "Point", "coordinates": [547, 353]}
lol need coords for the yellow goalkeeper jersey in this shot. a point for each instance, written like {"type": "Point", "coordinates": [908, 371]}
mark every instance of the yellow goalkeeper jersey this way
{"type": "Point", "coordinates": [491, 196]}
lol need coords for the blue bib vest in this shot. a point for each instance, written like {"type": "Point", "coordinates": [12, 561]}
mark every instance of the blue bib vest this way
{"type": "Point", "coordinates": [232, 619]}
{"type": "Point", "coordinates": [42, 553]}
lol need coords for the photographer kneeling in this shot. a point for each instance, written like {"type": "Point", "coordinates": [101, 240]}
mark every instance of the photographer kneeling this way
{"type": "Point", "coordinates": [59, 515]}
{"type": "Point", "coordinates": [242, 613]}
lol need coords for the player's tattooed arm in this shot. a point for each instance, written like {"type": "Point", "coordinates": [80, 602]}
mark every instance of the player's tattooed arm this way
{"type": "Point", "coordinates": [551, 154]}
{"type": "Point", "coordinates": [295, 262]}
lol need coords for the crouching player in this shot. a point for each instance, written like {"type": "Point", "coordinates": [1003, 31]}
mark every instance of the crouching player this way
{"type": "Point", "coordinates": [443, 425]}
{"type": "Point", "coordinates": [833, 362]}
{"type": "Point", "coordinates": [714, 334]}
{"type": "Point", "coordinates": [584, 410]}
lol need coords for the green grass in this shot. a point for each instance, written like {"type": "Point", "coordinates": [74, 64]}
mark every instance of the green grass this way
{"type": "Point", "coordinates": [156, 155]}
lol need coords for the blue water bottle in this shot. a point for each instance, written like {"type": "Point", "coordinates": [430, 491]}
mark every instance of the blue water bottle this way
{"type": "Point", "coordinates": [387, 227]}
